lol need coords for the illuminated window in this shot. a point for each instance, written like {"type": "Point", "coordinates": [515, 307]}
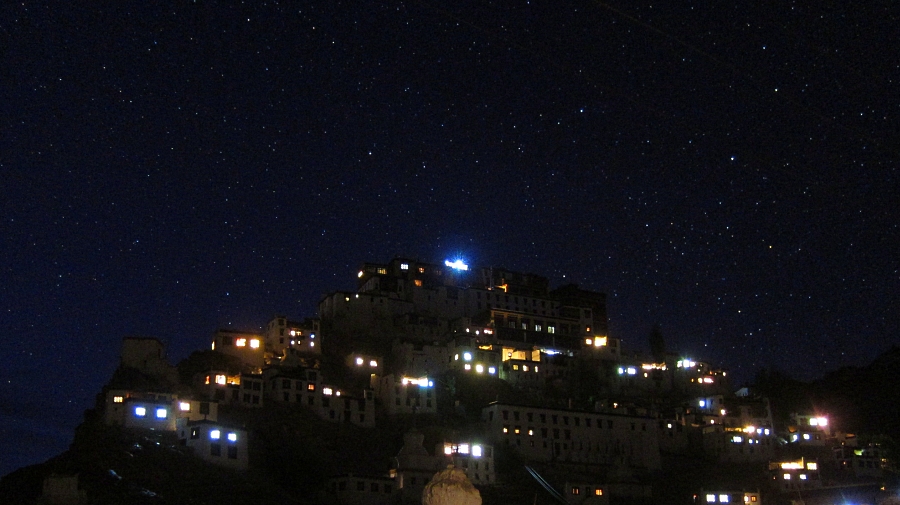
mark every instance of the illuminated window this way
{"type": "Point", "coordinates": [464, 448]}
{"type": "Point", "coordinates": [787, 476]}
{"type": "Point", "coordinates": [184, 406]}
{"type": "Point", "coordinates": [812, 466]}
{"type": "Point", "coordinates": [360, 273]}
{"type": "Point", "coordinates": [515, 367]}
{"type": "Point", "coordinates": [524, 368]}
{"type": "Point", "coordinates": [802, 476]}
{"type": "Point", "coordinates": [373, 363]}
{"type": "Point", "coordinates": [359, 361]}
{"type": "Point", "coordinates": [140, 411]}
{"type": "Point", "coordinates": [254, 343]}
{"type": "Point", "coordinates": [467, 356]}
{"type": "Point", "coordinates": [710, 498]}
{"type": "Point", "coordinates": [118, 399]}
{"type": "Point", "coordinates": [327, 391]}
{"type": "Point", "coordinates": [492, 370]}
{"type": "Point", "coordinates": [586, 341]}
{"type": "Point", "coordinates": [418, 282]}
{"type": "Point", "coordinates": [241, 342]}
{"type": "Point", "coordinates": [723, 498]}
{"type": "Point", "coordinates": [576, 490]}
{"type": "Point", "coordinates": [448, 449]}
{"type": "Point", "coordinates": [479, 368]}
{"type": "Point", "coordinates": [404, 266]}
{"type": "Point", "coordinates": [702, 403]}
{"type": "Point", "coordinates": [311, 387]}
{"type": "Point", "coordinates": [506, 429]}
{"type": "Point", "coordinates": [161, 413]}
{"type": "Point", "coordinates": [746, 498]}
{"type": "Point", "coordinates": [468, 366]}
{"type": "Point", "coordinates": [598, 492]}
{"type": "Point", "coordinates": [476, 451]}
{"type": "Point", "coordinates": [806, 436]}
{"type": "Point", "coordinates": [215, 434]}
{"type": "Point", "coordinates": [535, 368]}
{"type": "Point", "coordinates": [232, 437]}
{"type": "Point", "coordinates": [220, 379]}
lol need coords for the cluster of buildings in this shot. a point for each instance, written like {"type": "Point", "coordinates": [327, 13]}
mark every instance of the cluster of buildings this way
{"type": "Point", "coordinates": [586, 402]}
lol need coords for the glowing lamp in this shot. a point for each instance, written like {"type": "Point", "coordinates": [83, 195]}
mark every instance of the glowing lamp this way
{"type": "Point", "coordinates": [456, 265]}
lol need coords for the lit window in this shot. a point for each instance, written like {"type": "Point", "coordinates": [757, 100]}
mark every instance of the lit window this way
{"type": "Point", "coordinates": [506, 429]}
{"type": "Point", "coordinates": [184, 406]}
{"type": "Point", "coordinates": [140, 411]}
{"type": "Point", "coordinates": [575, 490]}
{"type": "Point", "coordinates": [586, 341]}
{"type": "Point", "coordinates": [476, 451]}
{"type": "Point", "coordinates": [802, 476]}
{"type": "Point", "coordinates": [118, 399]}
{"type": "Point", "coordinates": [479, 368]}
{"type": "Point", "coordinates": [312, 344]}
{"type": "Point", "coordinates": [787, 476]}
{"type": "Point", "coordinates": [254, 343]}
{"type": "Point", "coordinates": [215, 434]}
{"type": "Point", "coordinates": [746, 498]}
{"type": "Point", "coordinates": [220, 379]}
{"type": "Point", "coordinates": [455, 357]}
{"type": "Point", "coordinates": [448, 449]}
{"type": "Point", "coordinates": [702, 403]}
{"type": "Point", "coordinates": [598, 492]}
{"type": "Point", "coordinates": [241, 342]}
{"type": "Point", "coordinates": [524, 368]}
{"type": "Point", "coordinates": [464, 448]}
{"type": "Point", "coordinates": [418, 282]}
{"type": "Point", "coordinates": [359, 274]}
{"type": "Point", "coordinates": [359, 361]}
{"type": "Point", "coordinates": [467, 356]}
{"type": "Point", "coordinates": [468, 366]}
{"type": "Point", "coordinates": [535, 368]}
{"type": "Point", "coordinates": [710, 498]}
{"type": "Point", "coordinates": [161, 413]}
{"type": "Point", "coordinates": [310, 387]}
{"type": "Point", "coordinates": [737, 440]}
{"type": "Point", "coordinates": [404, 266]}
{"type": "Point", "coordinates": [373, 363]}
{"type": "Point", "coordinates": [232, 437]}
{"type": "Point", "coordinates": [327, 391]}
{"type": "Point", "coordinates": [723, 498]}
{"type": "Point", "coordinates": [806, 436]}
{"type": "Point", "coordinates": [293, 333]}
{"type": "Point", "coordinates": [492, 370]}
{"type": "Point", "coordinates": [812, 466]}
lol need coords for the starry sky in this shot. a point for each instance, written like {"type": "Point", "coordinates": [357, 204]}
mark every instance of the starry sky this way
{"type": "Point", "coordinates": [726, 170]}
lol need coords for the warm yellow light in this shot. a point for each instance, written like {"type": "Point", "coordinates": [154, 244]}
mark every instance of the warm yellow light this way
{"type": "Point", "coordinates": [118, 399]}
{"type": "Point", "coordinates": [792, 465]}
{"type": "Point", "coordinates": [184, 406]}
{"type": "Point", "coordinates": [220, 379]}
{"type": "Point", "coordinates": [599, 341]}
{"type": "Point", "coordinates": [812, 466]}
{"type": "Point", "coordinates": [479, 368]}
{"type": "Point", "coordinates": [588, 341]}
{"type": "Point", "coordinates": [360, 273]}
{"type": "Point", "coordinates": [254, 343]}
{"type": "Point", "coordinates": [241, 342]}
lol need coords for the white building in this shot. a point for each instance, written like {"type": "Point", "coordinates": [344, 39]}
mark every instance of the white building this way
{"type": "Point", "coordinates": [544, 434]}
{"type": "Point", "coordinates": [215, 443]}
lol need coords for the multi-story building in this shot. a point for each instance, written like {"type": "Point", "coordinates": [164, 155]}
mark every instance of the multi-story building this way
{"type": "Point", "coordinates": [405, 395]}
{"type": "Point", "coordinates": [412, 299]}
{"type": "Point", "coordinates": [215, 443]}
{"type": "Point", "coordinates": [547, 435]}
{"type": "Point", "coordinates": [473, 458]}
{"type": "Point", "coordinates": [304, 387]}
{"type": "Point", "coordinates": [282, 333]}
{"type": "Point", "coordinates": [247, 346]}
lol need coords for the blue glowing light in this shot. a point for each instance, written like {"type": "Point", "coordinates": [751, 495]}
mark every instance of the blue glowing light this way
{"type": "Point", "coordinates": [458, 264]}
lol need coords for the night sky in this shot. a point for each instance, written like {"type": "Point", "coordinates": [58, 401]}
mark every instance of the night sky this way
{"type": "Point", "coordinates": [726, 171]}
